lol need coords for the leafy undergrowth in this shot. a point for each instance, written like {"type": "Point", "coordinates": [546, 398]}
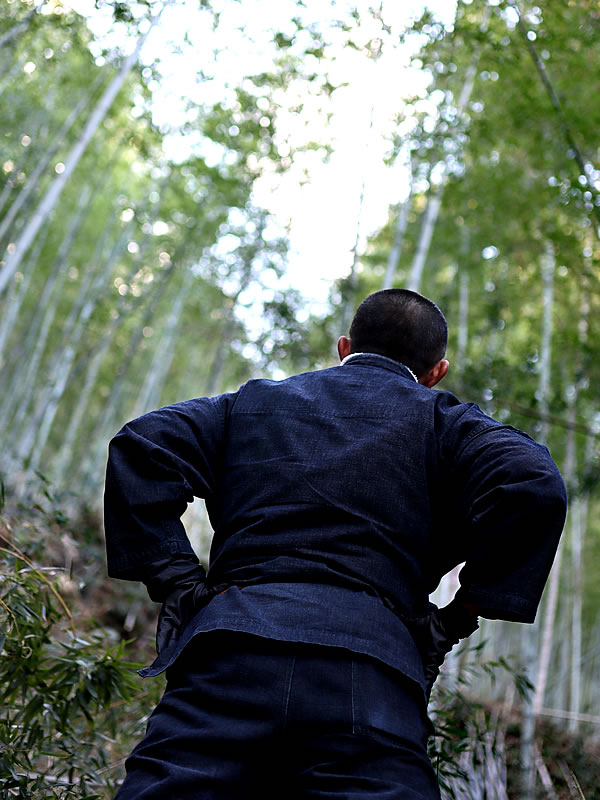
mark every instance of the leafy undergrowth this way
{"type": "Point", "coordinates": [572, 761]}
{"type": "Point", "coordinates": [477, 752]}
{"type": "Point", "coordinates": [71, 704]}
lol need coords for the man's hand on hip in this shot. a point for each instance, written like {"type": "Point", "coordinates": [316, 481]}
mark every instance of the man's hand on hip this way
{"type": "Point", "coordinates": [437, 634]}
{"type": "Point", "coordinates": [179, 583]}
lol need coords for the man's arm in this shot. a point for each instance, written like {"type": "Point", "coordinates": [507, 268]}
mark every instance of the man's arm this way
{"type": "Point", "coordinates": [514, 505]}
{"type": "Point", "coordinates": [157, 464]}
{"type": "Point", "coordinates": [508, 515]}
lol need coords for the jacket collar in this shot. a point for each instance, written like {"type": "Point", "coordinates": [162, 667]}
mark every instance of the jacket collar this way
{"type": "Point", "coordinates": [375, 360]}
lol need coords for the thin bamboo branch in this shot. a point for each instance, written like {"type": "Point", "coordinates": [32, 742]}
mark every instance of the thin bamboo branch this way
{"type": "Point", "coordinates": [13, 550]}
{"type": "Point", "coordinates": [554, 99]}
{"type": "Point", "coordinates": [552, 419]}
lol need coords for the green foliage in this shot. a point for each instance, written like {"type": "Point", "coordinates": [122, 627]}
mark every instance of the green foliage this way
{"type": "Point", "coordinates": [462, 724]}
{"type": "Point", "coordinates": [476, 747]}
{"type": "Point", "coordinates": [571, 760]}
{"type": "Point", "coordinates": [70, 702]}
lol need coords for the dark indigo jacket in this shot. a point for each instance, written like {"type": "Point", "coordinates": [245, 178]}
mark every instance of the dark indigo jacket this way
{"type": "Point", "coordinates": [338, 498]}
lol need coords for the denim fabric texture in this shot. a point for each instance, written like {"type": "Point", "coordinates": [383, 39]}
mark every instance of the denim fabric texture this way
{"type": "Point", "coordinates": [338, 498]}
{"type": "Point", "coordinates": [244, 718]}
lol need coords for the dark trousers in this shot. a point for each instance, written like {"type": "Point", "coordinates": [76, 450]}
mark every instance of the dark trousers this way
{"type": "Point", "coordinates": [247, 717]}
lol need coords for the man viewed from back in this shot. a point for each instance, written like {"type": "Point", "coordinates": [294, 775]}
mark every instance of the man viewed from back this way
{"type": "Point", "coordinates": [300, 665]}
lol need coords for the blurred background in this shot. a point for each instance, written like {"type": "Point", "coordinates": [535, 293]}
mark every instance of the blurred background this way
{"type": "Point", "coordinates": [197, 192]}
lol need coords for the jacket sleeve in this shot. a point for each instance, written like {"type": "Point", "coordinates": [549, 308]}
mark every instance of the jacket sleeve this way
{"type": "Point", "coordinates": [156, 465]}
{"type": "Point", "coordinates": [512, 506]}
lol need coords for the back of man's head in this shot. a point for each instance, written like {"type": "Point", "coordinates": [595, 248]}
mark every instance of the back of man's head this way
{"type": "Point", "coordinates": [402, 325]}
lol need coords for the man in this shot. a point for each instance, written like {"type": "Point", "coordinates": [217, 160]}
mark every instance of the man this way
{"type": "Point", "coordinates": [300, 665]}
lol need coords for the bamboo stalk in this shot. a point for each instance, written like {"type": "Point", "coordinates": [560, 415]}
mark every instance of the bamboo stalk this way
{"type": "Point", "coordinates": [20, 27]}
{"type": "Point", "coordinates": [401, 225]}
{"type": "Point", "coordinates": [55, 190]}
{"type": "Point", "coordinates": [149, 396]}
{"type": "Point", "coordinates": [530, 634]}
{"type": "Point", "coordinates": [42, 163]}
{"type": "Point", "coordinates": [434, 203]}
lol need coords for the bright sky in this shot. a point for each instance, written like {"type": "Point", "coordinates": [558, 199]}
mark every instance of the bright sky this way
{"type": "Point", "coordinates": [323, 213]}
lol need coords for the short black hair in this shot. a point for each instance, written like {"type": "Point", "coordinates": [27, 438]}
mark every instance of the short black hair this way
{"type": "Point", "coordinates": [402, 325]}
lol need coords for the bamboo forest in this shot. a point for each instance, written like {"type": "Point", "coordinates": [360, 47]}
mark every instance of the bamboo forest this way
{"type": "Point", "coordinates": [195, 193]}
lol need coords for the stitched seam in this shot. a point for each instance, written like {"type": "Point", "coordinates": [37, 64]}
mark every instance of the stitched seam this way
{"type": "Point", "coordinates": [289, 691]}
{"type": "Point", "coordinates": [283, 411]}
{"type": "Point", "coordinates": [479, 429]}
{"type": "Point", "coordinates": [352, 664]}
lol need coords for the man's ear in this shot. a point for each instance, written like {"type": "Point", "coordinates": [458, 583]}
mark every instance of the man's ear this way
{"type": "Point", "coordinates": [435, 374]}
{"type": "Point", "coordinates": [344, 347]}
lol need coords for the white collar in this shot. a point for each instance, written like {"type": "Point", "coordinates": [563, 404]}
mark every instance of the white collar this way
{"type": "Point", "coordinates": [352, 355]}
